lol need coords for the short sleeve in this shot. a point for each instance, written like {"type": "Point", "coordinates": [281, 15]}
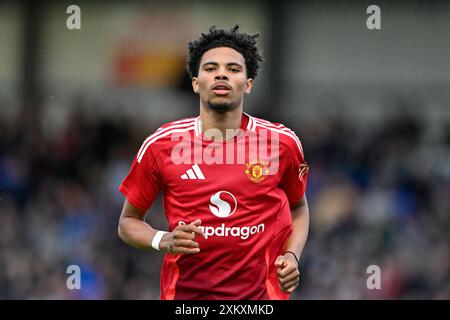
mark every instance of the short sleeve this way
{"type": "Point", "coordinates": [143, 183]}
{"type": "Point", "coordinates": [295, 174]}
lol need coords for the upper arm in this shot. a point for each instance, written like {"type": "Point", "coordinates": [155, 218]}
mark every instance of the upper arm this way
{"type": "Point", "coordinates": [302, 202]}
{"type": "Point", "coordinates": [130, 211]}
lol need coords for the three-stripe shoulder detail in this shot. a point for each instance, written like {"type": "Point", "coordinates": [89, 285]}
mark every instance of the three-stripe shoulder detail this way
{"type": "Point", "coordinates": [279, 129]}
{"type": "Point", "coordinates": [174, 127]}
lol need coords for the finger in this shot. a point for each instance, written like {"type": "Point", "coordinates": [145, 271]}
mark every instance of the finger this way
{"type": "Point", "coordinates": [185, 243]}
{"type": "Point", "coordinates": [289, 277]}
{"type": "Point", "coordinates": [184, 250]}
{"type": "Point", "coordinates": [289, 284]}
{"type": "Point", "coordinates": [197, 222]}
{"type": "Point", "coordinates": [183, 235]}
{"type": "Point", "coordinates": [280, 261]}
{"type": "Point", "coordinates": [191, 228]}
{"type": "Point", "coordinates": [290, 287]}
{"type": "Point", "coordinates": [185, 232]}
{"type": "Point", "coordinates": [288, 269]}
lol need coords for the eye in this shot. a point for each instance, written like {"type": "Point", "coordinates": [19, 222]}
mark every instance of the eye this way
{"type": "Point", "coordinates": [209, 69]}
{"type": "Point", "coordinates": [234, 70]}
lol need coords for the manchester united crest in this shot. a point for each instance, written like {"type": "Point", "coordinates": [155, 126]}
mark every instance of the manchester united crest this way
{"type": "Point", "coordinates": [257, 170]}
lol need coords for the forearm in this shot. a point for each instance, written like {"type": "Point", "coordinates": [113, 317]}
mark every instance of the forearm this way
{"type": "Point", "coordinates": [300, 224]}
{"type": "Point", "coordinates": [136, 233]}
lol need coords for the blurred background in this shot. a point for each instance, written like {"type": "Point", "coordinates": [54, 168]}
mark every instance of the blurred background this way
{"type": "Point", "coordinates": [372, 108]}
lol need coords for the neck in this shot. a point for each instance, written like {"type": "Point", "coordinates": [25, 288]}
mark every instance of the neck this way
{"type": "Point", "coordinates": [220, 121]}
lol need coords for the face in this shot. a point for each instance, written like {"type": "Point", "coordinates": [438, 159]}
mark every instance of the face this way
{"type": "Point", "coordinates": [222, 79]}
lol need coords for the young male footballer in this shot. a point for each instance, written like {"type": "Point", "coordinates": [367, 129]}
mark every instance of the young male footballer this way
{"type": "Point", "coordinates": [233, 186]}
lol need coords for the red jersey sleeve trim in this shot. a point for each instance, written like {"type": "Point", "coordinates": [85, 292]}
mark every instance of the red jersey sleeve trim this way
{"type": "Point", "coordinates": [134, 202]}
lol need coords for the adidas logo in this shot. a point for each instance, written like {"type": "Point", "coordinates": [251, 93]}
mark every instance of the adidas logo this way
{"type": "Point", "coordinates": [193, 174]}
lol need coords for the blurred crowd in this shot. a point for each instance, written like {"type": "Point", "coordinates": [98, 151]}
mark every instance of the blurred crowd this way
{"type": "Point", "coordinates": [379, 195]}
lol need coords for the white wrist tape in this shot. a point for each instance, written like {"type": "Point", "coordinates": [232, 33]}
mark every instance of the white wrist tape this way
{"type": "Point", "coordinates": [157, 239]}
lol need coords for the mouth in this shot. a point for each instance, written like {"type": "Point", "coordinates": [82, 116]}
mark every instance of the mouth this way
{"type": "Point", "coordinates": [221, 89]}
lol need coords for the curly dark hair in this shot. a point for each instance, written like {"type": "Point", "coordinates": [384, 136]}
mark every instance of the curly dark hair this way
{"type": "Point", "coordinates": [242, 42]}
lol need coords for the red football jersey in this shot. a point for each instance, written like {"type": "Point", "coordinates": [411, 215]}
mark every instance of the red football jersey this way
{"type": "Point", "coordinates": [240, 188]}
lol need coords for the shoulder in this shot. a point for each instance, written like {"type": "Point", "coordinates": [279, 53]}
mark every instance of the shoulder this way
{"type": "Point", "coordinates": [160, 138]}
{"type": "Point", "coordinates": [179, 124]}
{"type": "Point", "coordinates": [288, 138]}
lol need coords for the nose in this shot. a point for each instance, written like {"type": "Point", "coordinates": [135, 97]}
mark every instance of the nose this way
{"type": "Point", "coordinates": [220, 76]}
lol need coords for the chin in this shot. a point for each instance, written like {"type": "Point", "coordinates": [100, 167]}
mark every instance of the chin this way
{"type": "Point", "coordinates": [221, 105]}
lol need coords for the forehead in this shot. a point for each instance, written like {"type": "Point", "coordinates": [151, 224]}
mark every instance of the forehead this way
{"type": "Point", "coordinates": [223, 55]}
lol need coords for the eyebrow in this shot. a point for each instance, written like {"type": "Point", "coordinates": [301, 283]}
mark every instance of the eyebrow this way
{"type": "Point", "coordinates": [228, 64]}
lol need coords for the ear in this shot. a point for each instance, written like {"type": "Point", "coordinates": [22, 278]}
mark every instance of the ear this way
{"type": "Point", "coordinates": [195, 84]}
{"type": "Point", "coordinates": [249, 85]}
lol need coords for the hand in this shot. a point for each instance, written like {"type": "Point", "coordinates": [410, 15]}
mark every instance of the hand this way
{"type": "Point", "coordinates": [288, 274]}
{"type": "Point", "coordinates": [182, 239]}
